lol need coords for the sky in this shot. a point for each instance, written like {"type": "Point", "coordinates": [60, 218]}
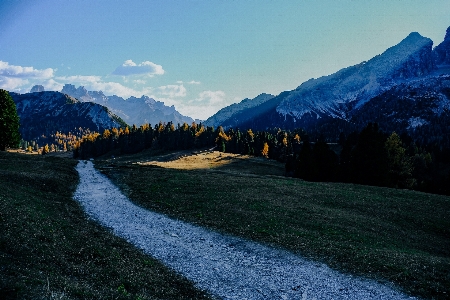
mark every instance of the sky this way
{"type": "Point", "coordinates": [200, 55]}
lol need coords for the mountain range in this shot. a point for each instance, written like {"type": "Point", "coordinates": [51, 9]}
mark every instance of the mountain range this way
{"type": "Point", "coordinates": [405, 89]}
{"type": "Point", "coordinates": [133, 110]}
{"type": "Point", "coordinates": [353, 96]}
{"type": "Point", "coordinates": [44, 113]}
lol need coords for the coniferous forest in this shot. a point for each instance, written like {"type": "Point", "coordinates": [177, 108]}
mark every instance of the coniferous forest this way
{"type": "Point", "coordinates": [369, 157]}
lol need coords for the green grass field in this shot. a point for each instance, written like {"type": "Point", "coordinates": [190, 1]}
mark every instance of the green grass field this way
{"type": "Point", "coordinates": [391, 235]}
{"type": "Point", "coordinates": [49, 250]}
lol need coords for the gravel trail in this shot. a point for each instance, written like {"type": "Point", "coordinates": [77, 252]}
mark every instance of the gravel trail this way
{"type": "Point", "coordinates": [227, 267]}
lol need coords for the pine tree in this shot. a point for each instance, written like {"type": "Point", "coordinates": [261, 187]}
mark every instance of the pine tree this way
{"type": "Point", "coordinates": [400, 166]}
{"type": "Point", "coordinates": [9, 122]}
{"type": "Point", "coordinates": [368, 158]}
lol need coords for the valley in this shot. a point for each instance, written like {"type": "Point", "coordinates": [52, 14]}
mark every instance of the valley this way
{"type": "Point", "coordinates": [350, 170]}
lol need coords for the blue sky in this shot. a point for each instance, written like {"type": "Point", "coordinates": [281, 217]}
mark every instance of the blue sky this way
{"type": "Point", "coordinates": [200, 55]}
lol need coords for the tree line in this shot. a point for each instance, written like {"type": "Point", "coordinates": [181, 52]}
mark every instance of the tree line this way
{"type": "Point", "coordinates": [369, 157]}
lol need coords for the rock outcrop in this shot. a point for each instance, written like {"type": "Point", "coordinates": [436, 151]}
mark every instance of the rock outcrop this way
{"type": "Point", "coordinates": [442, 51]}
{"type": "Point", "coordinates": [37, 89]}
{"type": "Point", "coordinates": [79, 93]}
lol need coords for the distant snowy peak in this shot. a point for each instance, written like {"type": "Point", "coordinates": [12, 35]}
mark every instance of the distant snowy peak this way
{"type": "Point", "coordinates": [330, 95]}
{"type": "Point", "coordinates": [226, 113]}
{"type": "Point", "coordinates": [412, 57]}
{"type": "Point", "coordinates": [79, 93]}
{"type": "Point", "coordinates": [84, 95]}
{"type": "Point", "coordinates": [133, 110]}
{"type": "Point", "coordinates": [44, 113]}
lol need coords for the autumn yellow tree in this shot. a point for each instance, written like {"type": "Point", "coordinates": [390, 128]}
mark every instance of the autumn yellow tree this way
{"type": "Point", "coordinates": [265, 150]}
{"type": "Point", "coordinates": [45, 150]}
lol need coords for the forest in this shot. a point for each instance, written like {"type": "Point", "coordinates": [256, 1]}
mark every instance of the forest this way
{"type": "Point", "coordinates": [370, 157]}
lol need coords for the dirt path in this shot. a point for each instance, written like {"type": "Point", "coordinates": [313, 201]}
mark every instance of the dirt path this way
{"type": "Point", "coordinates": [227, 267]}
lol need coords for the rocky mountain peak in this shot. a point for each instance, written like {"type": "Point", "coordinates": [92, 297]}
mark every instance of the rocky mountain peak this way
{"type": "Point", "coordinates": [37, 88]}
{"type": "Point", "coordinates": [80, 93]}
{"type": "Point", "coordinates": [441, 52]}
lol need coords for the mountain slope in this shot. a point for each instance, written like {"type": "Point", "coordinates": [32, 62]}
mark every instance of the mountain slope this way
{"type": "Point", "coordinates": [343, 101]}
{"type": "Point", "coordinates": [44, 113]}
{"type": "Point", "coordinates": [420, 108]}
{"type": "Point", "coordinates": [442, 51]}
{"type": "Point", "coordinates": [134, 110]}
{"type": "Point", "coordinates": [329, 95]}
{"type": "Point", "coordinates": [227, 116]}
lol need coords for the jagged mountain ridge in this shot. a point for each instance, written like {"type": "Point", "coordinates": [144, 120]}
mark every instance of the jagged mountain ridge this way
{"type": "Point", "coordinates": [335, 101]}
{"type": "Point", "coordinates": [328, 95]}
{"type": "Point", "coordinates": [44, 113]}
{"type": "Point", "coordinates": [133, 110]}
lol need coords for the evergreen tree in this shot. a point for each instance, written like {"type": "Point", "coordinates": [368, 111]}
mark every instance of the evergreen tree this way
{"type": "Point", "coordinates": [369, 157]}
{"type": "Point", "coordinates": [399, 164]}
{"type": "Point", "coordinates": [305, 166]}
{"type": "Point", "coordinates": [9, 122]}
{"type": "Point", "coordinates": [326, 161]}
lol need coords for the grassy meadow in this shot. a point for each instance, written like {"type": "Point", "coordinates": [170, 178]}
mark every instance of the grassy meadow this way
{"type": "Point", "coordinates": [391, 235]}
{"type": "Point", "coordinates": [50, 250]}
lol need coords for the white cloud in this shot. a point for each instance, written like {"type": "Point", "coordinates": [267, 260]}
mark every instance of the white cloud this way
{"type": "Point", "coordinates": [211, 97]}
{"type": "Point", "coordinates": [12, 84]}
{"type": "Point", "coordinates": [194, 82]}
{"type": "Point", "coordinates": [21, 79]}
{"type": "Point", "coordinates": [189, 82]}
{"type": "Point", "coordinates": [172, 91]}
{"type": "Point", "coordinates": [14, 78]}
{"type": "Point", "coordinates": [80, 79]}
{"type": "Point", "coordinates": [129, 68]}
{"type": "Point", "coordinates": [205, 105]}
{"type": "Point", "coordinates": [52, 85]}
{"type": "Point", "coordinates": [7, 70]}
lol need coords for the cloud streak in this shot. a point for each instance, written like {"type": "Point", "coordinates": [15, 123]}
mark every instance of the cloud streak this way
{"type": "Point", "coordinates": [211, 97]}
{"type": "Point", "coordinates": [130, 68]}
{"type": "Point", "coordinates": [8, 70]}
{"type": "Point", "coordinates": [14, 77]}
{"type": "Point", "coordinates": [173, 91]}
